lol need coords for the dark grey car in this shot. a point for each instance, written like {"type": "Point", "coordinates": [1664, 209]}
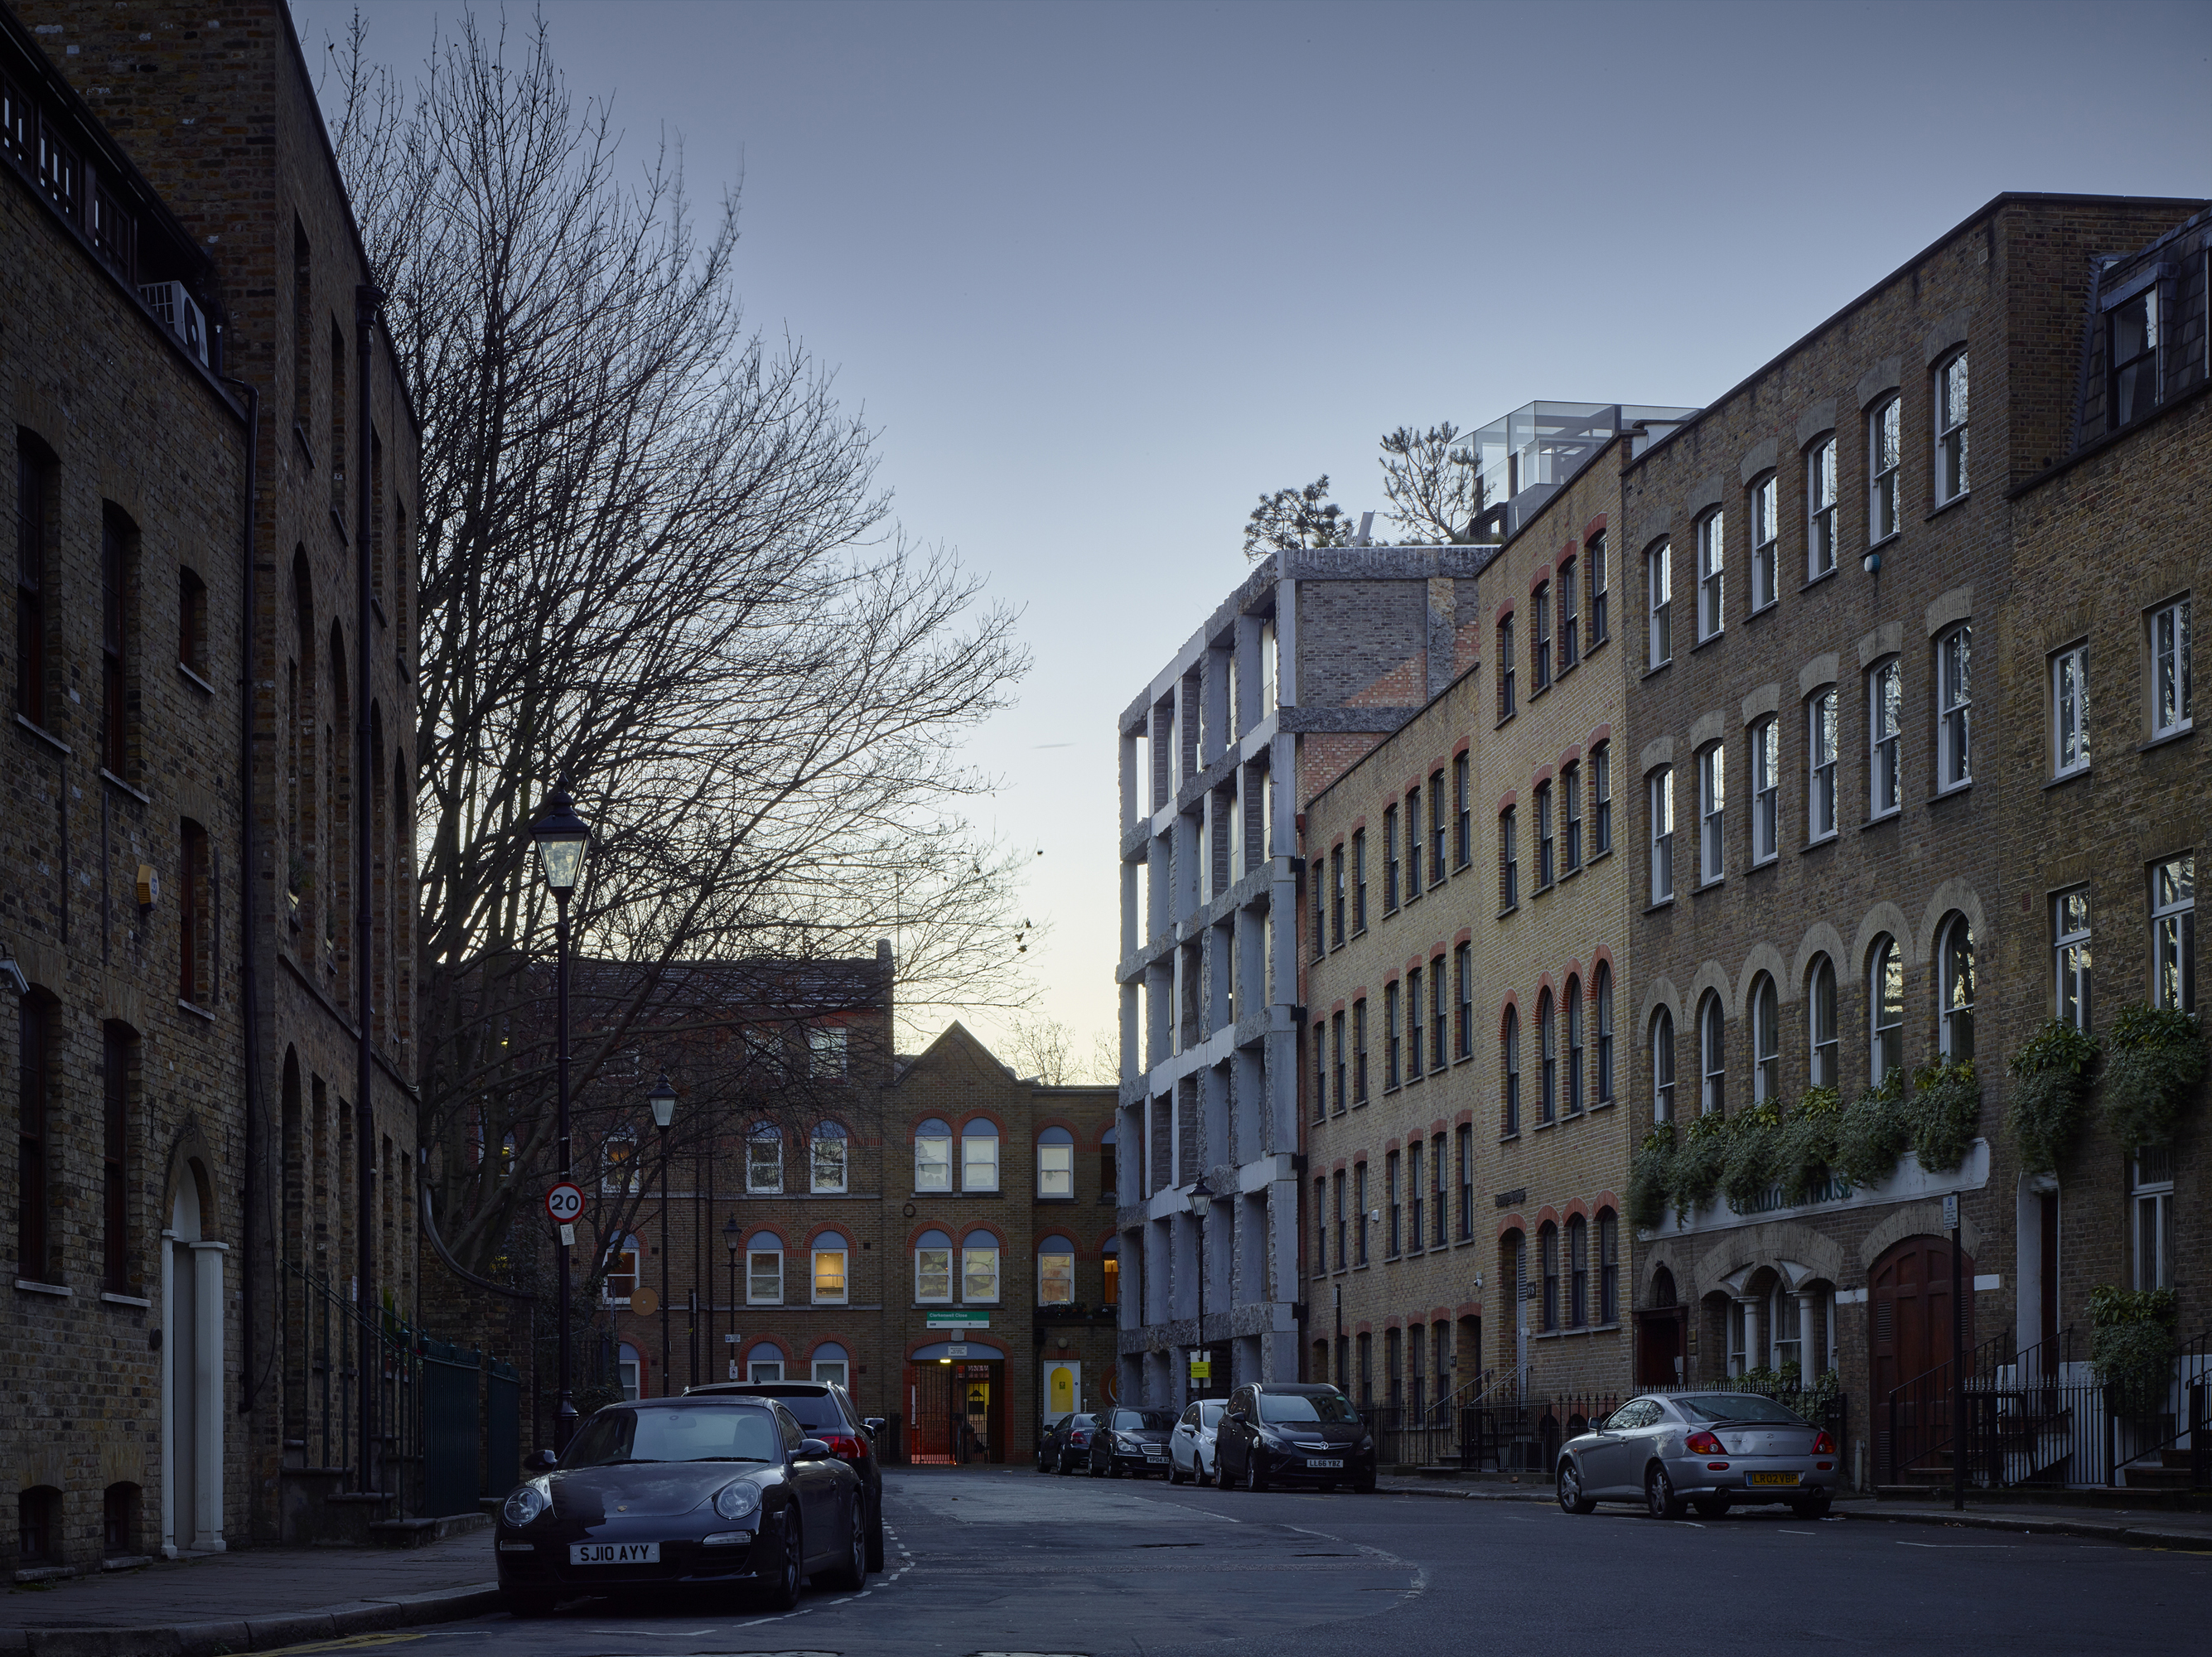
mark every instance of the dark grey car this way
{"type": "Point", "coordinates": [1713, 1451]}
{"type": "Point", "coordinates": [1131, 1441]}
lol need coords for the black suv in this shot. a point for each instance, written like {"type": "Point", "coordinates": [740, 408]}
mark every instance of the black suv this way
{"type": "Point", "coordinates": [1293, 1432]}
{"type": "Point", "coordinates": [825, 1410]}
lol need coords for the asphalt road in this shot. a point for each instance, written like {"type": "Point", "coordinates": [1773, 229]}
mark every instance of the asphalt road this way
{"type": "Point", "coordinates": [994, 1562]}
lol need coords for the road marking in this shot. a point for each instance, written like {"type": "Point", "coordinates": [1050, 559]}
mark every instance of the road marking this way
{"type": "Point", "coordinates": [1783, 1533]}
{"type": "Point", "coordinates": [1957, 1544]}
{"type": "Point", "coordinates": [351, 1642]}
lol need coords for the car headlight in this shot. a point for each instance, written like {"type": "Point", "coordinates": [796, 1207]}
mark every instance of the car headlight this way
{"type": "Point", "coordinates": [1366, 1444]}
{"type": "Point", "coordinates": [738, 1500]}
{"type": "Point", "coordinates": [528, 1502]}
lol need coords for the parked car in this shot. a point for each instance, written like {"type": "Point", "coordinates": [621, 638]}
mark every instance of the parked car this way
{"type": "Point", "coordinates": [1065, 1444]}
{"type": "Point", "coordinates": [1713, 1451]}
{"type": "Point", "coordinates": [672, 1492]}
{"type": "Point", "coordinates": [1132, 1442]}
{"type": "Point", "coordinates": [1191, 1452]}
{"type": "Point", "coordinates": [826, 1410]}
{"type": "Point", "coordinates": [1293, 1432]}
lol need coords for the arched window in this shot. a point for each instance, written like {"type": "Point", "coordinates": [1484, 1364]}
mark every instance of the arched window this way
{"type": "Point", "coordinates": [933, 1156]}
{"type": "Point", "coordinates": [1663, 1067]}
{"type": "Point", "coordinates": [1571, 1002]}
{"type": "Point", "coordinates": [831, 1255]}
{"type": "Point", "coordinates": [1712, 1055]}
{"type": "Point", "coordinates": [120, 1506]}
{"type": "Point", "coordinates": [1956, 1015]}
{"type": "Point", "coordinates": [979, 1268]}
{"type": "Point", "coordinates": [827, 1162]}
{"type": "Point", "coordinates": [1110, 1293]}
{"type": "Point", "coordinates": [1055, 1271]}
{"type": "Point", "coordinates": [764, 1269]}
{"type": "Point", "coordinates": [764, 1158]}
{"type": "Point", "coordinates": [1509, 1045]}
{"type": "Point", "coordinates": [1602, 994]}
{"type": "Point", "coordinates": [1609, 1266]}
{"type": "Point", "coordinates": [1548, 1257]}
{"type": "Point", "coordinates": [832, 1365]}
{"type": "Point", "coordinates": [1766, 1042]}
{"type": "Point", "coordinates": [1577, 1271]}
{"type": "Point", "coordinates": [1712, 538]}
{"type": "Point", "coordinates": [1056, 1163]}
{"type": "Point", "coordinates": [1820, 996]}
{"type": "Point", "coordinates": [932, 1267]}
{"type": "Point", "coordinates": [1547, 1057]}
{"type": "Point", "coordinates": [979, 1156]}
{"type": "Point", "coordinates": [1885, 1008]}
{"type": "Point", "coordinates": [764, 1362]}
{"type": "Point", "coordinates": [1108, 1181]}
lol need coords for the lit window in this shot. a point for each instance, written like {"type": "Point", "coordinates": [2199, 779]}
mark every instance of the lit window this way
{"type": "Point", "coordinates": [932, 1266]}
{"type": "Point", "coordinates": [763, 1270]}
{"type": "Point", "coordinates": [1055, 1271]}
{"type": "Point", "coordinates": [827, 1159]}
{"type": "Point", "coordinates": [979, 1156]}
{"type": "Point", "coordinates": [2069, 943]}
{"type": "Point", "coordinates": [1765, 787]}
{"type": "Point", "coordinates": [2070, 710]}
{"type": "Point", "coordinates": [979, 1267]}
{"type": "Point", "coordinates": [830, 1254]}
{"type": "Point", "coordinates": [1109, 1292]}
{"type": "Point", "coordinates": [1712, 1057]}
{"type": "Point", "coordinates": [1055, 1163]}
{"type": "Point", "coordinates": [764, 1158]}
{"type": "Point", "coordinates": [1884, 723]}
{"type": "Point", "coordinates": [1951, 429]}
{"type": "Point", "coordinates": [1663, 833]}
{"type": "Point", "coordinates": [1820, 766]}
{"type": "Point", "coordinates": [1885, 448]}
{"type": "Point", "coordinates": [1822, 1024]}
{"type": "Point", "coordinates": [1956, 1014]}
{"type": "Point", "coordinates": [618, 1164]}
{"type": "Point", "coordinates": [2173, 933]}
{"type": "Point", "coordinates": [1763, 541]}
{"type": "Point", "coordinates": [1659, 589]}
{"type": "Point", "coordinates": [1712, 808]}
{"type": "Point", "coordinates": [1711, 561]}
{"type": "Point", "coordinates": [1886, 1009]}
{"type": "Point", "coordinates": [1820, 509]}
{"type": "Point", "coordinates": [621, 1270]}
{"type": "Point", "coordinates": [2169, 669]}
{"type": "Point", "coordinates": [1955, 693]}
{"type": "Point", "coordinates": [933, 1156]}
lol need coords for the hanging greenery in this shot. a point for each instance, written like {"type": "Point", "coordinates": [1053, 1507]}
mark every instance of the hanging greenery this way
{"type": "Point", "coordinates": [1806, 1149]}
{"type": "Point", "coordinates": [1872, 1132]}
{"type": "Point", "coordinates": [2153, 1059]}
{"type": "Point", "coordinates": [1750, 1163]}
{"type": "Point", "coordinates": [1650, 1176]}
{"type": "Point", "coordinates": [1945, 1107]}
{"type": "Point", "coordinates": [2050, 1094]}
{"type": "Point", "coordinates": [1699, 1161]}
{"type": "Point", "coordinates": [2131, 1345]}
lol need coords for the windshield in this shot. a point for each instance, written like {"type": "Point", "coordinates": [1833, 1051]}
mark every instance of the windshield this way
{"type": "Point", "coordinates": [687, 1433]}
{"type": "Point", "coordinates": [1738, 1406]}
{"type": "Point", "coordinates": [814, 1406]}
{"type": "Point", "coordinates": [1130, 1420]}
{"type": "Point", "coordinates": [1307, 1406]}
{"type": "Point", "coordinates": [1076, 1421]}
{"type": "Point", "coordinates": [1209, 1413]}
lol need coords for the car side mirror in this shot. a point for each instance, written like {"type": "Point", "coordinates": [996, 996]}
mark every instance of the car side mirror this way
{"type": "Point", "coordinates": [540, 1461]}
{"type": "Point", "coordinates": [875, 1424]}
{"type": "Point", "coordinates": [811, 1449]}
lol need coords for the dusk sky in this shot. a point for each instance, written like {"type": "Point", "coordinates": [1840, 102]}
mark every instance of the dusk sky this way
{"type": "Point", "coordinates": [1103, 274]}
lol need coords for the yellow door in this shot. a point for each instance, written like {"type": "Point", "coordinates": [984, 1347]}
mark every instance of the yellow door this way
{"type": "Point", "coordinates": [1063, 1386]}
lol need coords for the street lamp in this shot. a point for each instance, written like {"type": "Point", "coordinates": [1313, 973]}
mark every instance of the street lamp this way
{"type": "Point", "coordinates": [663, 1101]}
{"type": "Point", "coordinates": [561, 836]}
{"type": "Point", "coordinates": [731, 1234]}
{"type": "Point", "coordinates": [1201, 1199]}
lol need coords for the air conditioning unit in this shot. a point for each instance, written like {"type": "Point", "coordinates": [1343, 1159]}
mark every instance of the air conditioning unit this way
{"type": "Point", "coordinates": [173, 307]}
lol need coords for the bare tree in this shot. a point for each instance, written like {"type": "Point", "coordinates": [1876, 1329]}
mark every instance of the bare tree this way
{"type": "Point", "coordinates": [1041, 1045]}
{"type": "Point", "coordinates": [654, 561]}
{"type": "Point", "coordinates": [1433, 484]}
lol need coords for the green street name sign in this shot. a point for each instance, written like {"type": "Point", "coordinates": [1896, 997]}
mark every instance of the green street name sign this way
{"type": "Point", "coordinates": [959, 1320]}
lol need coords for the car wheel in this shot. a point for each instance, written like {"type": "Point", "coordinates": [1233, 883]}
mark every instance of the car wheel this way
{"type": "Point", "coordinates": [1175, 1472]}
{"type": "Point", "coordinates": [1712, 1509]}
{"type": "Point", "coordinates": [876, 1537]}
{"type": "Point", "coordinates": [850, 1573]}
{"type": "Point", "coordinates": [1253, 1479]}
{"type": "Point", "coordinates": [1571, 1499]}
{"type": "Point", "coordinates": [1812, 1507]}
{"type": "Point", "coordinates": [1659, 1494]}
{"type": "Point", "coordinates": [521, 1603]}
{"type": "Point", "coordinates": [781, 1593]}
{"type": "Point", "coordinates": [1198, 1473]}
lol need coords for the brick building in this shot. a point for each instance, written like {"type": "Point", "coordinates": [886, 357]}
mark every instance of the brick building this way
{"type": "Point", "coordinates": [119, 849]}
{"type": "Point", "coordinates": [1825, 805]}
{"type": "Point", "coordinates": [313, 1199]}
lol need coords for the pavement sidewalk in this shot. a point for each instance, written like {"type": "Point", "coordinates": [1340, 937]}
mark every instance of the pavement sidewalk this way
{"type": "Point", "coordinates": [2143, 1527]}
{"type": "Point", "coordinates": [256, 1600]}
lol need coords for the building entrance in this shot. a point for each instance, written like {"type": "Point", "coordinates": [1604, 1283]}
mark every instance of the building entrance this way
{"type": "Point", "coordinates": [958, 1410]}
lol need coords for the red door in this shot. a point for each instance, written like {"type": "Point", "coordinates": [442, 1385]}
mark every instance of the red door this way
{"type": "Point", "coordinates": [1659, 1347]}
{"type": "Point", "coordinates": [1909, 1329]}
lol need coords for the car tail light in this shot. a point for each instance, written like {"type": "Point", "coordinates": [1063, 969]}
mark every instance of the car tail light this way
{"type": "Point", "coordinates": [1705, 1444]}
{"type": "Point", "coordinates": [1079, 1438]}
{"type": "Point", "coordinates": [845, 1446]}
{"type": "Point", "coordinates": [1717, 1466]}
{"type": "Point", "coordinates": [1823, 1445]}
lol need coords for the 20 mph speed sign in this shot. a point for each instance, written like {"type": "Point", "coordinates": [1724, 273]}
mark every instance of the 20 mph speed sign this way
{"type": "Point", "coordinates": [564, 1202]}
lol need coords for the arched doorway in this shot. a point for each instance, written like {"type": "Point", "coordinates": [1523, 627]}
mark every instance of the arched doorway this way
{"type": "Point", "coordinates": [1909, 1340]}
{"type": "Point", "coordinates": [1660, 1328]}
{"type": "Point", "coordinates": [192, 1378]}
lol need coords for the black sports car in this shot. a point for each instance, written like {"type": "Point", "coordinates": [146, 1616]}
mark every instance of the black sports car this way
{"type": "Point", "coordinates": [675, 1492]}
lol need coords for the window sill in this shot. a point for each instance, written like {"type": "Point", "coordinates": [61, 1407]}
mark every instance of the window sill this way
{"type": "Point", "coordinates": [2065, 777]}
{"type": "Point", "coordinates": [1569, 874]}
{"type": "Point", "coordinates": [1766, 608]}
{"type": "Point", "coordinates": [141, 798]}
{"type": "Point", "coordinates": [1545, 888]}
{"type": "Point", "coordinates": [1882, 822]}
{"type": "Point", "coordinates": [1772, 861]}
{"type": "Point", "coordinates": [1541, 1126]}
{"type": "Point", "coordinates": [338, 523]}
{"type": "Point", "coordinates": [1542, 685]}
{"type": "Point", "coordinates": [43, 735]}
{"type": "Point", "coordinates": [53, 1289]}
{"type": "Point", "coordinates": [1653, 908]}
{"type": "Point", "coordinates": [1704, 886]}
{"type": "Point", "coordinates": [196, 678]}
{"type": "Point", "coordinates": [1601, 852]}
{"type": "Point", "coordinates": [1503, 720]}
{"type": "Point", "coordinates": [1041, 1197]}
{"type": "Point", "coordinates": [1509, 1139]}
{"type": "Point", "coordinates": [1709, 639]}
{"type": "Point", "coordinates": [1812, 582]}
{"type": "Point", "coordinates": [1952, 792]}
{"type": "Point", "coordinates": [2159, 741]}
{"type": "Point", "coordinates": [197, 1010]}
{"type": "Point", "coordinates": [1825, 841]}
{"type": "Point", "coordinates": [114, 1299]}
{"type": "Point", "coordinates": [1658, 667]}
{"type": "Point", "coordinates": [1600, 1104]}
{"type": "Point", "coordinates": [1511, 908]}
{"type": "Point", "coordinates": [306, 451]}
{"type": "Point", "coordinates": [1876, 546]}
{"type": "Point", "coordinates": [1958, 500]}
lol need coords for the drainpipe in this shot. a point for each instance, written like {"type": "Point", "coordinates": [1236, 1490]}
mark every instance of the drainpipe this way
{"type": "Point", "coordinates": [366, 300]}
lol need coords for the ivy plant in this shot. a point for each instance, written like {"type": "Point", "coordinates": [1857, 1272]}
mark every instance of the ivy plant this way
{"type": "Point", "coordinates": [1699, 1160]}
{"type": "Point", "coordinates": [1651, 1178]}
{"type": "Point", "coordinates": [2131, 1345]}
{"type": "Point", "coordinates": [1872, 1132]}
{"type": "Point", "coordinates": [1805, 1150]}
{"type": "Point", "coordinates": [1749, 1164]}
{"type": "Point", "coordinates": [2154, 1060]}
{"type": "Point", "coordinates": [2050, 1094]}
{"type": "Point", "coordinates": [1944, 1109]}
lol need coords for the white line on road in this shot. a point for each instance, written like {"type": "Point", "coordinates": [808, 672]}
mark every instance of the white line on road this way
{"type": "Point", "coordinates": [1957, 1544]}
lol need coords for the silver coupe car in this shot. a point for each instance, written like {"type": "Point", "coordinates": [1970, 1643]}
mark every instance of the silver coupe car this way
{"type": "Point", "coordinates": [1711, 1451]}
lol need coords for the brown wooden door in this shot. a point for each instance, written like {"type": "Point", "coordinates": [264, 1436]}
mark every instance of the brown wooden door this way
{"type": "Point", "coordinates": [1909, 1331]}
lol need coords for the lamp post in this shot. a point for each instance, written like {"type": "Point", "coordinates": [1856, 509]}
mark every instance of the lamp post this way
{"type": "Point", "coordinates": [731, 1234]}
{"type": "Point", "coordinates": [663, 1101]}
{"type": "Point", "coordinates": [561, 836]}
{"type": "Point", "coordinates": [1201, 1198]}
